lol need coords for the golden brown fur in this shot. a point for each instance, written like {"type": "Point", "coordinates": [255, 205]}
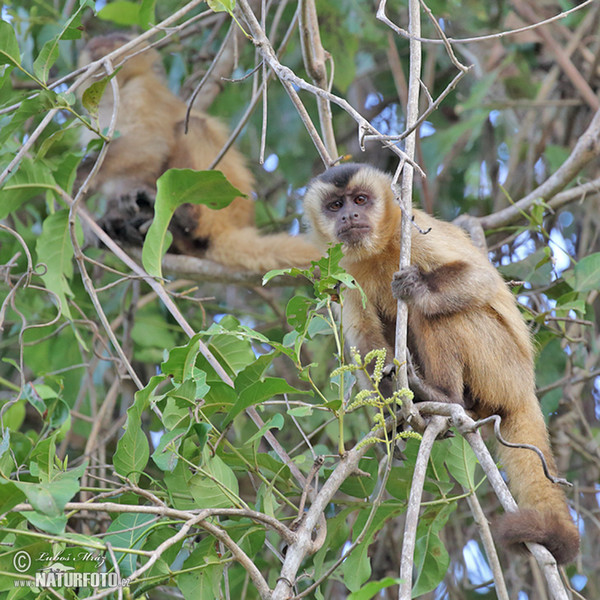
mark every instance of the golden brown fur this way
{"type": "Point", "coordinates": [151, 140]}
{"type": "Point", "coordinates": [465, 331]}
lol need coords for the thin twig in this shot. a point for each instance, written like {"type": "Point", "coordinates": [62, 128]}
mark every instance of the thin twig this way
{"type": "Point", "coordinates": [290, 81]}
{"type": "Point", "coordinates": [492, 36]}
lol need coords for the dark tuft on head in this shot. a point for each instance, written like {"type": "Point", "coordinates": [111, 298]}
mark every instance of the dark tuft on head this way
{"type": "Point", "coordinates": [340, 175]}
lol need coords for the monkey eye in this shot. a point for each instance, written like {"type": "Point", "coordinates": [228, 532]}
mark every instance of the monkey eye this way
{"type": "Point", "coordinates": [335, 205]}
{"type": "Point", "coordinates": [360, 199]}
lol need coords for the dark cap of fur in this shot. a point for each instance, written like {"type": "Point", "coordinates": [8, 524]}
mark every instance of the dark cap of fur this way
{"type": "Point", "coordinates": [514, 529]}
{"type": "Point", "coordinates": [340, 175]}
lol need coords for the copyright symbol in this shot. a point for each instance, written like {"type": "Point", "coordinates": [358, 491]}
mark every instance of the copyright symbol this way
{"type": "Point", "coordinates": [21, 561]}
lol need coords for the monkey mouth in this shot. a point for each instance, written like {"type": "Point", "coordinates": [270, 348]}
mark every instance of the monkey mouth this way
{"type": "Point", "coordinates": [353, 234]}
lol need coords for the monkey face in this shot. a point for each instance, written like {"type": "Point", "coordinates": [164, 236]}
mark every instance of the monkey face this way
{"type": "Point", "coordinates": [131, 64]}
{"type": "Point", "coordinates": [350, 215]}
{"type": "Point", "coordinates": [351, 203]}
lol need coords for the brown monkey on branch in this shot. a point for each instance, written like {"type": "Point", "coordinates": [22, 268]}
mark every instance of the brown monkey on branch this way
{"type": "Point", "coordinates": [150, 123]}
{"type": "Point", "coordinates": [466, 335]}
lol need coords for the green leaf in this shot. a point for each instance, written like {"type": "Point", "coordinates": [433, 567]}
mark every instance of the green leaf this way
{"type": "Point", "coordinates": [549, 367]}
{"type": "Point", "coordinates": [93, 94]}
{"type": "Point", "coordinates": [174, 188]}
{"type": "Point", "coordinates": [297, 311]}
{"type": "Point", "coordinates": [220, 491]}
{"type": "Point", "coordinates": [275, 422]}
{"type": "Point", "coordinates": [9, 47]}
{"type": "Point", "coordinates": [54, 525]}
{"type": "Point", "coordinates": [370, 590]}
{"type": "Point", "coordinates": [202, 573]}
{"type": "Point", "coordinates": [221, 5]}
{"type": "Point", "coordinates": [587, 273]}
{"type": "Point", "coordinates": [361, 486]}
{"type": "Point", "coordinates": [120, 12]}
{"type": "Point", "coordinates": [431, 558]}
{"type": "Point", "coordinates": [71, 30]}
{"type": "Point", "coordinates": [461, 462]}
{"type": "Point", "coordinates": [534, 268]}
{"type": "Point", "coordinates": [55, 250]}
{"type": "Point", "coordinates": [28, 181]}
{"type": "Point", "coordinates": [130, 530]}
{"type": "Point", "coordinates": [49, 498]}
{"type": "Point", "coordinates": [259, 391]}
{"type": "Point", "coordinates": [180, 363]}
{"type": "Point", "coordinates": [147, 18]}
{"type": "Point", "coordinates": [45, 59]}
{"type": "Point", "coordinates": [201, 430]}
{"type": "Point", "coordinates": [10, 495]}
{"type": "Point", "coordinates": [166, 454]}
{"type": "Point", "coordinates": [133, 449]}
{"type": "Point", "coordinates": [357, 566]}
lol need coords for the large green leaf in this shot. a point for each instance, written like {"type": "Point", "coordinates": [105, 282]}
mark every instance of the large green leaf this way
{"type": "Point", "coordinates": [31, 179]}
{"type": "Point", "coordinates": [9, 47]}
{"type": "Point", "coordinates": [357, 566]}
{"type": "Point", "coordinates": [587, 273]}
{"type": "Point", "coordinates": [55, 250]}
{"type": "Point", "coordinates": [174, 188]}
{"type": "Point", "coordinates": [202, 573]}
{"type": "Point", "coordinates": [431, 557]}
{"type": "Point", "coordinates": [128, 530]}
{"type": "Point", "coordinates": [371, 589]}
{"type": "Point", "coordinates": [217, 491]}
{"type": "Point", "coordinates": [461, 462]}
{"type": "Point", "coordinates": [133, 449]}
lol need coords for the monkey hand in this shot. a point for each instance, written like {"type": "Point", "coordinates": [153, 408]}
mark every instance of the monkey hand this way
{"type": "Point", "coordinates": [128, 216]}
{"type": "Point", "coordinates": [407, 283]}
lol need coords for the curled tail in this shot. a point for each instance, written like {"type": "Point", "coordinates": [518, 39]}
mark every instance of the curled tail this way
{"type": "Point", "coordinates": [246, 249]}
{"type": "Point", "coordinates": [543, 516]}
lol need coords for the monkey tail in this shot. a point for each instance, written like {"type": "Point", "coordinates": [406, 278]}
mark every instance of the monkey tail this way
{"type": "Point", "coordinates": [543, 516]}
{"type": "Point", "coordinates": [246, 249]}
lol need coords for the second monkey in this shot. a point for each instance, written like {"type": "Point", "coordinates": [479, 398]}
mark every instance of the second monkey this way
{"type": "Point", "coordinates": [150, 123]}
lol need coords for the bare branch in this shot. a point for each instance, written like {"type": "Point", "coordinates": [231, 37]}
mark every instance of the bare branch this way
{"type": "Point", "coordinates": [492, 36]}
{"type": "Point", "coordinates": [586, 148]}
{"type": "Point", "coordinates": [314, 57]}
{"type": "Point", "coordinates": [570, 70]}
{"type": "Point", "coordinates": [289, 79]}
{"type": "Point", "coordinates": [436, 426]}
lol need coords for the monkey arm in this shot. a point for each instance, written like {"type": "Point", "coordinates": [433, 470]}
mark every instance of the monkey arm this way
{"type": "Point", "coordinates": [453, 287]}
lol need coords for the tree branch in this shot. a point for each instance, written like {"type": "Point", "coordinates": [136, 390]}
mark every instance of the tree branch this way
{"type": "Point", "coordinates": [436, 426]}
{"type": "Point", "coordinates": [586, 148]}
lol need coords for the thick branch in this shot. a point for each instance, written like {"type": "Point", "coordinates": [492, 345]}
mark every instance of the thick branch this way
{"type": "Point", "coordinates": [467, 427]}
{"type": "Point", "coordinates": [436, 426]}
{"type": "Point", "coordinates": [314, 57]}
{"type": "Point", "coordinates": [205, 270]}
{"type": "Point", "coordinates": [586, 148]}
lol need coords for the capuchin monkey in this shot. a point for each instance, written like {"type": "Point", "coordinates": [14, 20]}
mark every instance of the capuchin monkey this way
{"type": "Point", "coordinates": [150, 123]}
{"type": "Point", "coordinates": [465, 332]}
